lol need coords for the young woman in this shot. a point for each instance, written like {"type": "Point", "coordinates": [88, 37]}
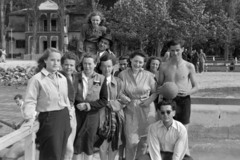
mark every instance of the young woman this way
{"type": "Point", "coordinates": [47, 93]}
{"type": "Point", "coordinates": [113, 113]}
{"type": "Point", "coordinates": [138, 85]}
{"type": "Point", "coordinates": [91, 97]}
{"type": "Point", "coordinates": [91, 32]}
{"type": "Point", "coordinates": [69, 62]}
{"type": "Point", "coordinates": [153, 64]}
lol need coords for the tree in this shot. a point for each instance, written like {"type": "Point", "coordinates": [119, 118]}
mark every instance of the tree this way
{"type": "Point", "coordinates": [139, 22]}
{"type": "Point", "coordinates": [33, 14]}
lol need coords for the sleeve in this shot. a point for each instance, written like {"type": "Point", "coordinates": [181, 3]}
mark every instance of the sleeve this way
{"type": "Point", "coordinates": [115, 104]}
{"type": "Point", "coordinates": [30, 101]}
{"type": "Point", "coordinates": [103, 100]}
{"type": "Point", "coordinates": [153, 144]}
{"type": "Point", "coordinates": [181, 146]}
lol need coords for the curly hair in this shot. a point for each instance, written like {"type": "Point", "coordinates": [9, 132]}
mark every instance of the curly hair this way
{"type": "Point", "coordinates": [150, 60]}
{"type": "Point", "coordinates": [70, 55]}
{"type": "Point", "coordinates": [46, 53]}
{"type": "Point", "coordinates": [95, 13]}
{"type": "Point", "coordinates": [137, 53]}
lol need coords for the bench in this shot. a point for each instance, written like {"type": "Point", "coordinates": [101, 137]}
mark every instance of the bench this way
{"type": "Point", "coordinates": [221, 68]}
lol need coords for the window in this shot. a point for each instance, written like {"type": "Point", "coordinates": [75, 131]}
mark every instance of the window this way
{"type": "Point", "coordinates": [20, 43]}
{"type": "Point", "coordinates": [54, 24]}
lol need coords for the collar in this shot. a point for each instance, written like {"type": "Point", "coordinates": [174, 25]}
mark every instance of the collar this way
{"type": "Point", "coordinates": [92, 76]}
{"type": "Point", "coordinates": [174, 124]}
{"type": "Point", "coordinates": [45, 72]}
{"type": "Point", "coordinates": [113, 80]}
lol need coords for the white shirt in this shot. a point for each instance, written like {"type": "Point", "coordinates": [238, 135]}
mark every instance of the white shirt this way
{"type": "Point", "coordinates": [174, 139]}
{"type": "Point", "coordinates": [85, 85]}
{"type": "Point", "coordinates": [108, 82]}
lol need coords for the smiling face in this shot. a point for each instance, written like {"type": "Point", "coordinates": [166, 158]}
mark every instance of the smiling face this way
{"type": "Point", "coordinates": [103, 44]}
{"type": "Point", "coordinates": [154, 65]}
{"type": "Point", "coordinates": [137, 62]}
{"type": "Point", "coordinates": [53, 62]}
{"type": "Point", "coordinates": [88, 65]}
{"type": "Point", "coordinates": [68, 66]}
{"type": "Point", "coordinates": [96, 20]}
{"type": "Point", "coordinates": [106, 67]}
{"type": "Point", "coordinates": [167, 114]}
{"type": "Point", "coordinates": [176, 51]}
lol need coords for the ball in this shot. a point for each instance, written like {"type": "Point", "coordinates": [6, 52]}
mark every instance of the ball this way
{"type": "Point", "coordinates": [169, 90]}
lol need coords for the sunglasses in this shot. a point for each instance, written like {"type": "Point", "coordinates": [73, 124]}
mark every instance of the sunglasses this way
{"type": "Point", "coordinates": [163, 113]}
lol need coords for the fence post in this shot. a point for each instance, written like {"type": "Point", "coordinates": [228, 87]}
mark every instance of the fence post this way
{"type": "Point", "coordinates": [30, 146]}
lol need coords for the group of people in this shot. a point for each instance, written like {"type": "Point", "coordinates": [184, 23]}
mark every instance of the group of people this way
{"type": "Point", "coordinates": [197, 59]}
{"type": "Point", "coordinates": [110, 104]}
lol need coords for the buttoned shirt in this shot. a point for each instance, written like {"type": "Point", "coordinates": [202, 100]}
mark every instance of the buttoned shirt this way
{"type": "Point", "coordinates": [45, 92]}
{"type": "Point", "coordinates": [85, 85]}
{"type": "Point", "coordinates": [174, 139]}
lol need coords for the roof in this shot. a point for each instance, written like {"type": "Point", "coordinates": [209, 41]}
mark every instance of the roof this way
{"type": "Point", "coordinates": [48, 5]}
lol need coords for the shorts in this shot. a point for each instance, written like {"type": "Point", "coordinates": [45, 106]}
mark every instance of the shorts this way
{"type": "Point", "coordinates": [183, 109]}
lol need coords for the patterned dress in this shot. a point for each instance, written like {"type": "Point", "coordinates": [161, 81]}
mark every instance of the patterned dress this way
{"type": "Point", "coordinates": [137, 118]}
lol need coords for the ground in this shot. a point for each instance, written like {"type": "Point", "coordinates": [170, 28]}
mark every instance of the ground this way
{"type": "Point", "coordinates": [212, 84]}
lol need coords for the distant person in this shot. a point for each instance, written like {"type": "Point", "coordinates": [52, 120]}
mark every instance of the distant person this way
{"type": "Point", "coordinates": [185, 54]}
{"type": "Point", "coordinates": [91, 32]}
{"type": "Point", "coordinates": [181, 73]}
{"type": "Point", "coordinates": [17, 150]}
{"type": "Point", "coordinates": [167, 138]}
{"type": "Point", "coordinates": [123, 64]}
{"type": "Point", "coordinates": [232, 65]}
{"type": "Point", "coordinates": [202, 59]}
{"type": "Point", "coordinates": [195, 60]}
{"type": "Point", "coordinates": [3, 57]}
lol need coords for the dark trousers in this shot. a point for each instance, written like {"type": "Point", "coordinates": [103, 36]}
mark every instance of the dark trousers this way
{"type": "Point", "coordinates": [53, 134]}
{"type": "Point", "coordinates": [167, 156]}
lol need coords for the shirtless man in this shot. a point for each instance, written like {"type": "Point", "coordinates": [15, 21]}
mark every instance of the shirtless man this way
{"type": "Point", "coordinates": [182, 73]}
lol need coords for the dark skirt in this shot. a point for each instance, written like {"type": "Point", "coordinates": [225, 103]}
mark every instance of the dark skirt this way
{"type": "Point", "coordinates": [53, 134]}
{"type": "Point", "coordinates": [86, 134]}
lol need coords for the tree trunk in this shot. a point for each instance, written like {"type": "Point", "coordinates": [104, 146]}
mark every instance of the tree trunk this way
{"type": "Point", "coordinates": [159, 48]}
{"type": "Point", "coordinates": [34, 15]}
{"type": "Point", "coordinates": [94, 4]}
{"type": "Point", "coordinates": [62, 23]}
{"type": "Point", "coordinates": [3, 25]}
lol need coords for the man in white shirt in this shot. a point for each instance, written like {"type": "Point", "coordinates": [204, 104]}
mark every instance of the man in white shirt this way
{"type": "Point", "coordinates": [167, 138]}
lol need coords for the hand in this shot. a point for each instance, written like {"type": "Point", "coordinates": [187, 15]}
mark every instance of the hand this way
{"type": "Point", "coordinates": [144, 104]}
{"type": "Point", "coordinates": [125, 99]}
{"type": "Point", "coordinates": [81, 106]}
{"type": "Point", "coordinates": [182, 93]}
{"type": "Point", "coordinates": [159, 90]}
{"type": "Point", "coordinates": [29, 123]}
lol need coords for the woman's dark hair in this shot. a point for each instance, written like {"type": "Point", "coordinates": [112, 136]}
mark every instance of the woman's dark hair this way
{"type": "Point", "coordinates": [70, 55]}
{"type": "Point", "coordinates": [95, 13]}
{"type": "Point", "coordinates": [88, 55]}
{"type": "Point", "coordinates": [150, 60]}
{"type": "Point", "coordinates": [46, 53]}
{"type": "Point", "coordinates": [167, 102]}
{"type": "Point", "coordinates": [105, 58]}
{"type": "Point", "coordinates": [137, 53]}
